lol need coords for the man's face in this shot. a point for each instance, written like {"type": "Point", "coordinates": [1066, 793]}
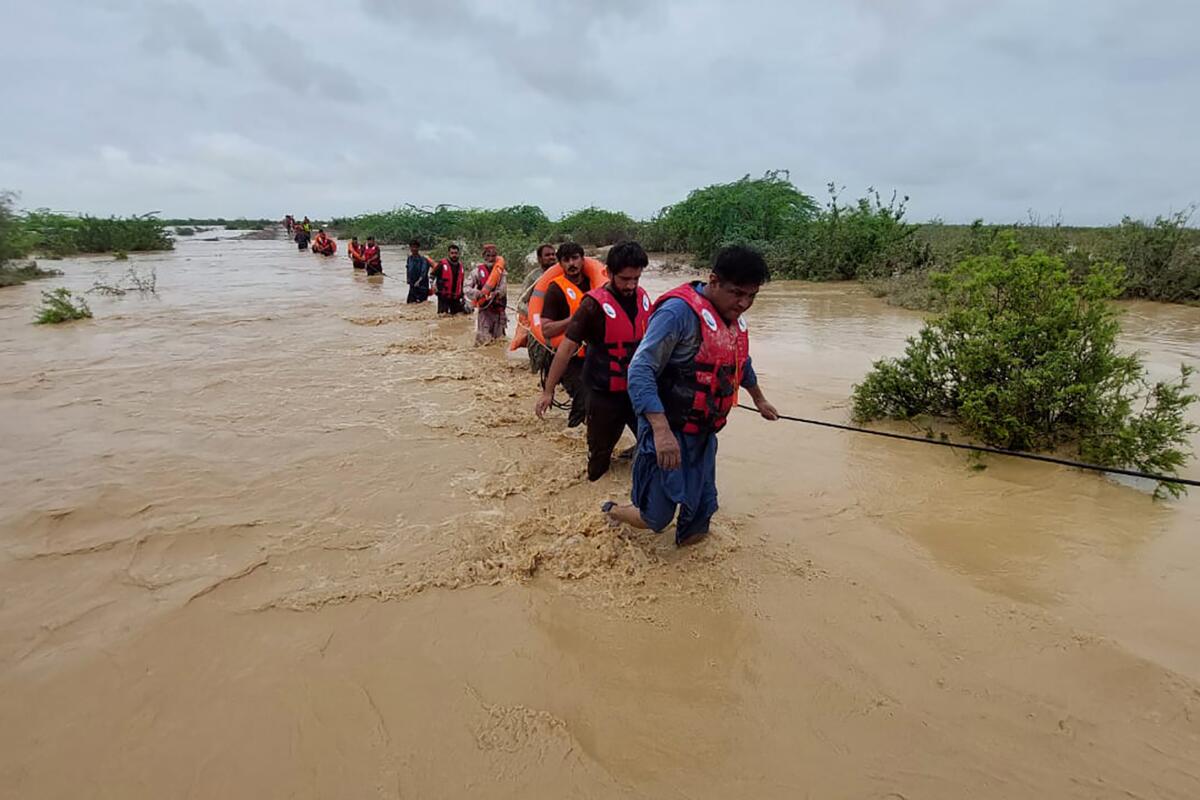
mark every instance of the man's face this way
{"type": "Point", "coordinates": [546, 258]}
{"type": "Point", "coordinates": [573, 268]}
{"type": "Point", "coordinates": [625, 281]}
{"type": "Point", "coordinates": [730, 299]}
{"type": "Point", "coordinates": [489, 257]}
{"type": "Point", "coordinates": [453, 255]}
{"type": "Point", "coordinates": [412, 248]}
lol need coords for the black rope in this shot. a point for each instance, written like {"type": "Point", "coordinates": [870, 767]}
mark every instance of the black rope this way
{"type": "Point", "coordinates": [978, 448]}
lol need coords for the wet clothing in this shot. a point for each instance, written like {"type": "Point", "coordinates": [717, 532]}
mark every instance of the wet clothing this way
{"type": "Point", "coordinates": [492, 320]}
{"type": "Point", "coordinates": [417, 271]}
{"type": "Point", "coordinates": [450, 281]}
{"type": "Point", "coordinates": [539, 356]}
{"type": "Point", "coordinates": [373, 259]}
{"type": "Point", "coordinates": [554, 308]}
{"type": "Point", "coordinates": [301, 239]}
{"type": "Point", "coordinates": [355, 252]}
{"type": "Point", "coordinates": [607, 413]}
{"type": "Point", "coordinates": [672, 340]}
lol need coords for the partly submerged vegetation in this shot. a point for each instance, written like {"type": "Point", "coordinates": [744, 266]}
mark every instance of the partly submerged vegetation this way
{"type": "Point", "coordinates": [868, 239]}
{"type": "Point", "coordinates": [60, 305]}
{"type": "Point", "coordinates": [1024, 356]}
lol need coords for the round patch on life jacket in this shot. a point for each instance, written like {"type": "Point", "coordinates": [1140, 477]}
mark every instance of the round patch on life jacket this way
{"type": "Point", "coordinates": [609, 311]}
{"type": "Point", "coordinates": [645, 302]}
{"type": "Point", "coordinates": [742, 324]}
{"type": "Point", "coordinates": [708, 318]}
{"type": "Point", "coordinates": [571, 294]}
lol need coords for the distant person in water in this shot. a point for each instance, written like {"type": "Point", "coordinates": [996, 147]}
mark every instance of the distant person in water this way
{"type": "Point", "coordinates": [539, 355]}
{"type": "Point", "coordinates": [417, 270]}
{"type": "Point", "coordinates": [355, 251]}
{"type": "Point", "coordinates": [450, 276]}
{"type": "Point", "coordinates": [301, 238]}
{"type": "Point", "coordinates": [322, 244]}
{"type": "Point", "coordinates": [492, 302]}
{"type": "Point", "coordinates": [372, 258]}
{"type": "Point", "coordinates": [289, 223]}
{"type": "Point", "coordinates": [683, 382]}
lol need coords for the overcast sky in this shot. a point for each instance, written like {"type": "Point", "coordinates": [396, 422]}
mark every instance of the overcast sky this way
{"type": "Point", "coordinates": [1088, 108]}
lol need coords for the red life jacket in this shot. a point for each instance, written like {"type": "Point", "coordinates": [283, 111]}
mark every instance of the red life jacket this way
{"type": "Point", "coordinates": [450, 284]}
{"type": "Point", "coordinates": [699, 396]}
{"type": "Point", "coordinates": [355, 252]}
{"type": "Point", "coordinates": [607, 367]}
{"type": "Point", "coordinates": [370, 255]}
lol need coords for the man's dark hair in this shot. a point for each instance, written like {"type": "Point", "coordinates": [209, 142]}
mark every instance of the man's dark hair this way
{"type": "Point", "coordinates": [451, 247]}
{"type": "Point", "coordinates": [414, 243]}
{"type": "Point", "coordinates": [625, 255]}
{"type": "Point", "coordinates": [741, 266]}
{"type": "Point", "coordinates": [568, 250]}
{"type": "Point", "coordinates": [543, 247]}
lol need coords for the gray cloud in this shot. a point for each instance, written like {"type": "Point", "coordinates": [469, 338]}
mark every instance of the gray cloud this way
{"type": "Point", "coordinates": [973, 108]}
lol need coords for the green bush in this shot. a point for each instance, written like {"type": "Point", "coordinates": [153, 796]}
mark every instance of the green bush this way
{"type": "Point", "coordinates": [596, 227]}
{"type": "Point", "coordinates": [746, 211]}
{"type": "Point", "coordinates": [1162, 260]}
{"type": "Point", "coordinates": [868, 239]}
{"type": "Point", "coordinates": [59, 305]}
{"type": "Point", "coordinates": [62, 235]}
{"type": "Point", "coordinates": [441, 224]}
{"type": "Point", "coordinates": [1024, 356]}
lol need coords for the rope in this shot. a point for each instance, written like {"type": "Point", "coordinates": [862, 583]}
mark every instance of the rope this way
{"type": "Point", "coordinates": [978, 448]}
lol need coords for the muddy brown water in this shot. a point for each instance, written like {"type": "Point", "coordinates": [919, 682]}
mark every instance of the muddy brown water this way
{"type": "Point", "coordinates": [274, 534]}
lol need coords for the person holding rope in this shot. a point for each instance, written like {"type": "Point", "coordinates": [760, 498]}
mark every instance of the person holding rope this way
{"type": "Point", "coordinates": [487, 289]}
{"type": "Point", "coordinates": [372, 258]}
{"type": "Point", "coordinates": [683, 382]}
{"type": "Point", "coordinates": [539, 355]}
{"type": "Point", "coordinates": [449, 275]}
{"type": "Point", "coordinates": [611, 320]}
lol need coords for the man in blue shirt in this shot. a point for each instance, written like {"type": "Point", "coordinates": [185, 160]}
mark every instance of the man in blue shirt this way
{"type": "Point", "coordinates": [417, 273]}
{"type": "Point", "coordinates": [683, 382]}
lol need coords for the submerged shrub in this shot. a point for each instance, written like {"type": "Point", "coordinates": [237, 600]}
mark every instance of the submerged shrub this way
{"type": "Point", "coordinates": [1024, 356]}
{"type": "Point", "coordinates": [596, 227]}
{"type": "Point", "coordinates": [59, 305]}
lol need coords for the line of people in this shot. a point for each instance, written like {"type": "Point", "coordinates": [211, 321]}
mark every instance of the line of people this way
{"type": "Point", "coordinates": [669, 371]}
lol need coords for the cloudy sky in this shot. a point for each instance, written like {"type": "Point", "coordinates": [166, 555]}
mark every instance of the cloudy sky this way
{"type": "Point", "coordinates": [994, 108]}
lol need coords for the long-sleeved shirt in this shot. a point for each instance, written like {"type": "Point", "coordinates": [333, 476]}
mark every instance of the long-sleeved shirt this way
{"type": "Point", "coordinates": [417, 270]}
{"type": "Point", "coordinates": [473, 287]}
{"type": "Point", "coordinates": [672, 337]}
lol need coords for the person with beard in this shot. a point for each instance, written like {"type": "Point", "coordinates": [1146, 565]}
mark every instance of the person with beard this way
{"type": "Point", "coordinates": [539, 355]}
{"type": "Point", "coordinates": [683, 382]}
{"type": "Point", "coordinates": [563, 297]}
{"type": "Point", "coordinates": [449, 275]}
{"type": "Point", "coordinates": [610, 320]}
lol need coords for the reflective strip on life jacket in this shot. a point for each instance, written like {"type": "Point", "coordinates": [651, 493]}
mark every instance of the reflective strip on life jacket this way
{"type": "Point", "coordinates": [608, 367]}
{"type": "Point", "coordinates": [706, 390]}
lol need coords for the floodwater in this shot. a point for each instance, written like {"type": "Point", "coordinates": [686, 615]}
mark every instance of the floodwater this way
{"type": "Point", "coordinates": [273, 534]}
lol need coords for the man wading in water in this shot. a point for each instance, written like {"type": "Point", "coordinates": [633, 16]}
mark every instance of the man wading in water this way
{"type": "Point", "coordinates": [492, 320]}
{"type": "Point", "coordinates": [563, 297]}
{"type": "Point", "coordinates": [683, 382]}
{"type": "Point", "coordinates": [417, 269]}
{"type": "Point", "coordinates": [372, 257]}
{"type": "Point", "coordinates": [539, 356]}
{"type": "Point", "coordinates": [610, 320]}
{"type": "Point", "coordinates": [449, 274]}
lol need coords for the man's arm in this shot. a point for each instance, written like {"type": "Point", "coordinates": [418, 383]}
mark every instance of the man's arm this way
{"type": "Point", "coordinates": [667, 327]}
{"type": "Point", "coordinates": [750, 384]}
{"type": "Point", "coordinates": [555, 312]}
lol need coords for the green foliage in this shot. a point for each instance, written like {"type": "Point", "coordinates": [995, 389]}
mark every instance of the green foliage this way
{"type": "Point", "coordinates": [868, 239]}
{"type": "Point", "coordinates": [1161, 259]}
{"type": "Point", "coordinates": [1024, 356]}
{"type": "Point", "coordinates": [441, 224]}
{"type": "Point", "coordinates": [63, 235]}
{"type": "Point", "coordinates": [746, 211]}
{"type": "Point", "coordinates": [237, 224]}
{"type": "Point", "coordinates": [59, 305]}
{"type": "Point", "coordinates": [596, 227]}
